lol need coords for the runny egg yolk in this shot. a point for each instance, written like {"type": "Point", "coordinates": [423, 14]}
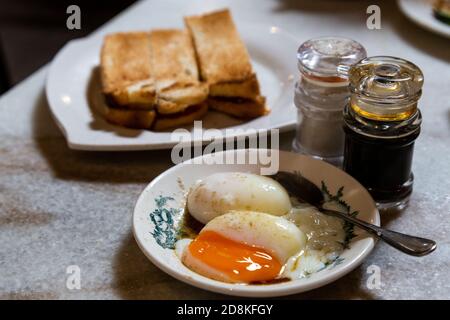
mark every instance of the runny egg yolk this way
{"type": "Point", "coordinates": [237, 261]}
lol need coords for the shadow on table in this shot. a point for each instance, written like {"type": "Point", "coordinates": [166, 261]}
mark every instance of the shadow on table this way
{"type": "Point", "coordinates": [109, 167]}
{"type": "Point", "coordinates": [390, 215]}
{"type": "Point", "coordinates": [97, 105]}
{"type": "Point", "coordinates": [448, 118]}
{"type": "Point", "coordinates": [135, 277]}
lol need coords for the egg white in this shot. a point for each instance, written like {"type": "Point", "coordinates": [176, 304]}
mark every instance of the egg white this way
{"type": "Point", "coordinates": [278, 236]}
{"type": "Point", "coordinates": [275, 234]}
{"type": "Point", "coordinates": [233, 204]}
{"type": "Point", "coordinates": [222, 192]}
{"type": "Point", "coordinates": [325, 235]}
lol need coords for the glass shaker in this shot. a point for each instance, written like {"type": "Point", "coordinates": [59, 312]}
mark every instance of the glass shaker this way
{"type": "Point", "coordinates": [321, 94]}
{"type": "Point", "coordinates": [382, 122]}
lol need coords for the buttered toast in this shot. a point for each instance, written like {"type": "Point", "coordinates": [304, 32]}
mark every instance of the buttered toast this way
{"type": "Point", "coordinates": [150, 80]}
{"type": "Point", "coordinates": [167, 78]}
{"type": "Point", "coordinates": [175, 71]}
{"type": "Point", "coordinates": [225, 65]}
{"type": "Point", "coordinates": [126, 71]}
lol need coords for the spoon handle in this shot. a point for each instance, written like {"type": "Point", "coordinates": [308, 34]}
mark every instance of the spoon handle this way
{"type": "Point", "coordinates": [411, 245]}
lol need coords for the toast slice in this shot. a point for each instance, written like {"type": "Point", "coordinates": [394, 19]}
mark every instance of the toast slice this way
{"type": "Point", "coordinates": [150, 120]}
{"type": "Point", "coordinates": [136, 119]}
{"type": "Point", "coordinates": [150, 80]}
{"type": "Point", "coordinates": [248, 88]}
{"type": "Point", "coordinates": [225, 65]}
{"type": "Point", "coordinates": [126, 75]}
{"type": "Point", "coordinates": [185, 117]}
{"type": "Point", "coordinates": [221, 53]}
{"type": "Point", "coordinates": [238, 107]}
{"type": "Point", "coordinates": [175, 71]}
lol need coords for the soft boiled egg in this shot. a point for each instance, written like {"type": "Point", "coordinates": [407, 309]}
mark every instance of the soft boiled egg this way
{"type": "Point", "coordinates": [242, 247]}
{"type": "Point", "coordinates": [225, 191]}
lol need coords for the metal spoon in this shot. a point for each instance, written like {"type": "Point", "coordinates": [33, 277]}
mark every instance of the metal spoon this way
{"type": "Point", "coordinates": [307, 192]}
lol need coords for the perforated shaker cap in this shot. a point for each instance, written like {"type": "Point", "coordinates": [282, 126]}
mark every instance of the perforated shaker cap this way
{"type": "Point", "coordinates": [321, 58]}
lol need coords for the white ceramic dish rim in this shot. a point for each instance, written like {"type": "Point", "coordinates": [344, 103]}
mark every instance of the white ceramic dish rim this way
{"type": "Point", "coordinates": [273, 290]}
{"type": "Point", "coordinates": [431, 24]}
{"type": "Point", "coordinates": [73, 136]}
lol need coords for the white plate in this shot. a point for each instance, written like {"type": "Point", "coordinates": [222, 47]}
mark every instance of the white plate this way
{"type": "Point", "coordinates": [73, 93]}
{"type": "Point", "coordinates": [421, 12]}
{"type": "Point", "coordinates": [164, 201]}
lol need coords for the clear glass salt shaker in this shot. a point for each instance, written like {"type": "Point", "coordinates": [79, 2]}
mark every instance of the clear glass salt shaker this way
{"type": "Point", "coordinates": [321, 94]}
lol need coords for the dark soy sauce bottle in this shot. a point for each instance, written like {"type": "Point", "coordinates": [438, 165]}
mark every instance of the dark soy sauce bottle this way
{"type": "Point", "coordinates": [381, 123]}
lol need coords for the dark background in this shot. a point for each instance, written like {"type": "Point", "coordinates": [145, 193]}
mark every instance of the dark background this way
{"type": "Point", "coordinates": [31, 32]}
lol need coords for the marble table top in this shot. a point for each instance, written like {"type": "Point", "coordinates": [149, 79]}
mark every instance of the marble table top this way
{"type": "Point", "coordinates": [60, 207]}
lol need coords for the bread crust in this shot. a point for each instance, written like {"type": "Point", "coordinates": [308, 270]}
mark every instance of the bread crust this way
{"type": "Point", "coordinates": [184, 118]}
{"type": "Point", "coordinates": [175, 71]}
{"type": "Point", "coordinates": [248, 88]}
{"type": "Point", "coordinates": [126, 70]}
{"type": "Point", "coordinates": [152, 80]}
{"type": "Point", "coordinates": [222, 55]}
{"type": "Point", "coordinates": [173, 56]}
{"type": "Point", "coordinates": [225, 64]}
{"type": "Point", "coordinates": [136, 119]}
{"type": "Point", "coordinates": [244, 109]}
{"type": "Point", "coordinates": [178, 97]}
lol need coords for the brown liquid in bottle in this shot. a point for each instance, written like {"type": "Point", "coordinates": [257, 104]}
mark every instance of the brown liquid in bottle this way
{"type": "Point", "coordinates": [381, 123]}
{"type": "Point", "coordinates": [365, 158]}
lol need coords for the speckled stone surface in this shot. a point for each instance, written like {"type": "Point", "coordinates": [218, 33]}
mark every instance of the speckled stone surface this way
{"type": "Point", "coordinates": [60, 207]}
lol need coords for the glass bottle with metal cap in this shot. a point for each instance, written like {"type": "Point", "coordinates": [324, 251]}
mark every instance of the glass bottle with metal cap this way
{"type": "Point", "coordinates": [321, 94]}
{"type": "Point", "coordinates": [382, 122]}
